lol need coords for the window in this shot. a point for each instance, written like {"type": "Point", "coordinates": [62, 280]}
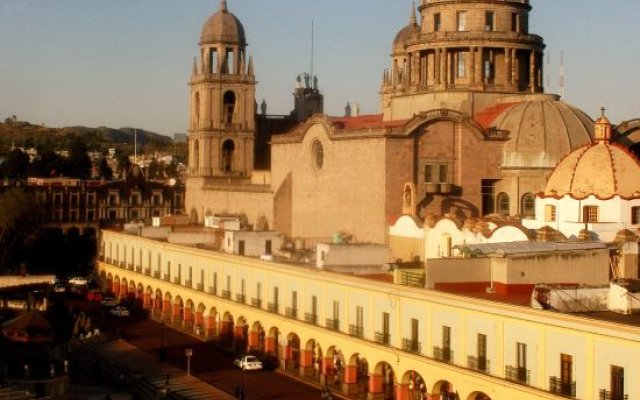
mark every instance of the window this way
{"type": "Point", "coordinates": [590, 214]}
{"type": "Point", "coordinates": [436, 22]}
{"type": "Point", "coordinates": [267, 247]}
{"type": "Point", "coordinates": [415, 332]}
{"type": "Point", "coordinates": [549, 213]}
{"type": "Point", "coordinates": [359, 316]}
{"type": "Point", "coordinates": [521, 355]}
{"type": "Point", "coordinates": [617, 383]}
{"type": "Point", "coordinates": [489, 17]}
{"type": "Point", "coordinates": [259, 291]}
{"type": "Point", "coordinates": [317, 155]}
{"type": "Point", "coordinates": [566, 371]}
{"type": "Point", "coordinates": [460, 71]}
{"type": "Point", "coordinates": [461, 19]}
{"type": "Point", "coordinates": [314, 305]}
{"type": "Point", "coordinates": [436, 173]}
{"type": "Point", "coordinates": [336, 310]}
{"type": "Point", "coordinates": [294, 300]}
{"type": "Point", "coordinates": [446, 337]}
{"type": "Point", "coordinates": [635, 215]}
{"type": "Point", "coordinates": [482, 352]}
{"type": "Point", "coordinates": [515, 19]}
{"type": "Point", "coordinates": [528, 206]}
{"type": "Point", "coordinates": [444, 173]}
{"type": "Point", "coordinates": [503, 204]}
{"type": "Point", "coordinates": [385, 325]}
{"type": "Point", "coordinates": [428, 173]}
{"type": "Point", "coordinates": [276, 296]}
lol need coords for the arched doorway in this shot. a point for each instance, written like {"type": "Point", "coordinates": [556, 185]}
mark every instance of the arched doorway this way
{"type": "Point", "coordinates": [478, 396]}
{"type": "Point", "coordinates": [256, 337]}
{"type": "Point", "coordinates": [356, 375]}
{"type": "Point", "coordinates": [412, 387]}
{"type": "Point", "coordinates": [381, 382]}
{"type": "Point", "coordinates": [291, 352]}
{"type": "Point", "coordinates": [443, 390]}
{"type": "Point", "coordinates": [187, 316]}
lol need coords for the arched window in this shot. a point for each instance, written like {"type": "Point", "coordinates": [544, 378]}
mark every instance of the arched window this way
{"type": "Point", "coordinates": [229, 105]}
{"type": "Point", "coordinates": [528, 206]}
{"type": "Point", "coordinates": [317, 155]}
{"type": "Point", "coordinates": [228, 152]}
{"type": "Point", "coordinates": [503, 204]}
{"type": "Point", "coordinates": [196, 156]}
{"type": "Point", "coordinates": [196, 107]}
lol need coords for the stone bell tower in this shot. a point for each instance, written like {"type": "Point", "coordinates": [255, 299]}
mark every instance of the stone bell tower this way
{"type": "Point", "coordinates": [222, 120]}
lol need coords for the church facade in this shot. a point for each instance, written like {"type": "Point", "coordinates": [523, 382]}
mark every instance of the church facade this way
{"type": "Point", "coordinates": [465, 129]}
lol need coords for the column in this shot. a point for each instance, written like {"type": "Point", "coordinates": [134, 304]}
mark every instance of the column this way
{"type": "Point", "coordinates": [176, 313]}
{"type": "Point", "coordinates": [187, 319]}
{"type": "Point", "coordinates": [270, 345]}
{"type": "Point", "coordinates": [479, 67]}
{"type": "Point", "coordinates": [115, 288]}
{"type": "Point", "coordinates": [350, 384]}
{"type": "Point", "coordinates": [508, 73]}
{"type": "Point", "coordinates": [326, 371]}
{"type": "Point", "coordinates": [437, 67]}
{"type": "Point", "coordinates": [532, 71]}
{"type": "Point", "coordinates": [472, 67]}
{"type": "Point", "coordinates": [124, 291]}
{"type": "Point", "coordinates": [449, 64]}
{"type": "Point", "coordinates": [375, 387]}
{"type": "Point", "coordinates": [211, 326]}
{"type": "Point", "coordinates": [402, 392]}
{"type": "Point", "coordinates": [146, 301]}
{"type": "Point", "coordinates": [166, 309]}
{"type": "Point", "coordinates": [515, 73]}
{"type": "Point", "coordinates": [306, 363]}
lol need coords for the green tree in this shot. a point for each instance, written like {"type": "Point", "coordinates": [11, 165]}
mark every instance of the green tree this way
{"type": "Point", "coordinates": [49, 164]}
{"type": "Point", "coordinates": [79, 163]}
{"type": "Point", "coordinates": [18, 214]}
{"type": "Point", "coordinates": [105, 170]}
{"type": "Point", "coordinates": [124, 164]}
{"type": "Point", "coordinates": [16, 165]}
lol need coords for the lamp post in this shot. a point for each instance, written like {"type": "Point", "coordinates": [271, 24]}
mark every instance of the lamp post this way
{"type": "Point", "coordinates": [188, 352]}
{"type": "Point", "coordinates": [163, 354]}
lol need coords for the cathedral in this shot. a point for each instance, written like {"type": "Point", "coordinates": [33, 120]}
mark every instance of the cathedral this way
{"type": "Point", "coordinates": [465, 129]}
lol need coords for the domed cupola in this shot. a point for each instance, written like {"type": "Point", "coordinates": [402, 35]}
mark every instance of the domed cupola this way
{"type": "Point", "coordinates": [409, 32]}
{"type": "Point", "coordinates": [223, 27]}
{"type": "Point", "coordinates": [601, 169]}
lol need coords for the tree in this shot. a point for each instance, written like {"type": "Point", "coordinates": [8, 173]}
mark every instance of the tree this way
{"type": "Point", "coordinates": [105, 170]}
{"type": "Point", "coordinates": [155, 169]}
{"type": "Point", "coordinates": [16, 165]}
{"type": "Point", "coordinates": [79, 163]}
{"type": "Point", "coordinates": [123, 162]}
{"type": "Point", "coordinates": [49, 164]}
{"type": "Point", "coordinates": [18, 214]}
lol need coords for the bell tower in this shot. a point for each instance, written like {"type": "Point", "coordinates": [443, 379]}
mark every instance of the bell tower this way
{"type": "Point", "coordinates": [222, 117]}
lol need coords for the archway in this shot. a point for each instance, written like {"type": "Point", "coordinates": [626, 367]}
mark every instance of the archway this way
{"type": "Point", "coordinates": [108, 284]}
{"type": "Point", "coordinates": [158, 304]}
{"type": "Point", "coordinates": [124, 289]}
{"type": "Point", "coordinates": [131, 292]}
{"type": "Point", "coordinates": [166, 307]}
{"type": "Point", "coordinates": [177, 311]}
{"type": "Point", "coordinates": [187, 316]}
{"type": "Point", "coordinates": [256, 337]}
{"type": "Point", "coordinates": [229, 101]}
{"type": "Point", "coordinates": [444, 390]}
{"type": "Point", "coordinates": [356, 375]}
{"type": "Point", "coordinates": [213, 323]}
{"type": "Point", "coordinates": [309, 359]}
{"type": "Point", "coordinates": [226, 324]}
{"type": "Point", "coordinates": [115, 286]}
{"type": "Point", "coordinates": [199, 320]}
{"type": "Point", "coordinates": [333, 367]}
{"type": "Point", "coordinates": [478, 396]}
{"type": "Point", "coordinates": [271, 342]}
{"type": "Point", "coordinates": [291, 352]}
{"type": "Point", "coordinates": [381, 382]}
{"type": "Point", "coordinates": [412, 387]}
{"type": "Point", "coordinates": [240, 333]}
{"type": "Point", "coordinates": [146, 298]}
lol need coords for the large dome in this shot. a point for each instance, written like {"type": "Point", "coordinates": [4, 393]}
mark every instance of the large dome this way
{"type": "Point", "coordinates": [223, 27]}
{"type": "Point", "coordinates": [602, 169]}
{"type": "Point", "coordinates": [542, 132]}
{"type": "Point", "coordinates": [409, 32]}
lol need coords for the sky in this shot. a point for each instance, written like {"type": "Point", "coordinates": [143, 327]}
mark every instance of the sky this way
{"type": "Point", "coordinates": [123, 63]}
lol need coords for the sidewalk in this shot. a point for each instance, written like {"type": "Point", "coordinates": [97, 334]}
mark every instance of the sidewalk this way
{"type": "Point", "coordinates": [132, 370]}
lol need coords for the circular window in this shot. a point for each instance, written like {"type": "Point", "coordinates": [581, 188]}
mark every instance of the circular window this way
{"type": "Point", "coordinates": [317, 155]}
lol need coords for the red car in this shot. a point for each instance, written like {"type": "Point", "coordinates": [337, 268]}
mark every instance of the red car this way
{"type": "Point", "coordinates": [94, 295]}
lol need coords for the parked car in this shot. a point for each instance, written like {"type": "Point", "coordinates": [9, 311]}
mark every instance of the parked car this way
{"type": "Point", "coordinates": [109, 302]}
{"type": "Point", "coordinates": [248, 363]}
{"type": "Point", "coordinates": [94, 295]}
{"type": "Point", "coordinates": [59, 288]}
{"type": "Point", "coordinates": [119, 311]}
{"type": "Point", "coordinates": [78, 281]}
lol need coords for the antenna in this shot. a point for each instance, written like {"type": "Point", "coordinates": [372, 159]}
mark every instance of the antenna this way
{"type": "Point", "coordinates": [312, 43]}
{"type": "Point", "coordinates": [135, 146]}
{"type": "Point", "coordinates": [562, 86]}
{"type": "Point", "coordinates": [548, 75]}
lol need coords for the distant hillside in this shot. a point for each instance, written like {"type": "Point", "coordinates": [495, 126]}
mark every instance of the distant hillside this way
{"type": "Point", "coordinates": [25, 134]}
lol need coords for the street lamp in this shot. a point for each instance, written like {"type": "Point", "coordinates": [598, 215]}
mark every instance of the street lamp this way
{"type": "Point", "coordinates": [163, 353]}
{"type": "Point", "coordinates": [188, 352]}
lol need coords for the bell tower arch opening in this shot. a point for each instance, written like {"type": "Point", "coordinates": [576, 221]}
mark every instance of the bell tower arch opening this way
{"type": "Point", "coordinates": [229, 105]}
{"type": "Point", "coordinates": [228, 154]}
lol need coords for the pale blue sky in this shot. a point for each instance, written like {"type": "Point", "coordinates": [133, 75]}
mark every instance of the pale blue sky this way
{"type": "Point", "coordinates": [127, 62]}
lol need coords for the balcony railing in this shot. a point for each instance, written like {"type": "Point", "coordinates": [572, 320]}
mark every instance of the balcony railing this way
{"type": "Point", "coordinates": [156, 274]}
{"type": "Point", "coordinates": [291, 312]}
{"type": "Point", "coordinates": [517, 374]}
{"type": "Point", "coordinates": [213, 290]}
{"type": "Point", "coordinates": [108, 260]}
{"type": "Point", "coordinates": [226, 294]}
{"type": "Point", "coordinates": [333, 324]}
{"type": "Point", "coordinates": [130, 266]}
{"type": "Point", "coordinates": [480, 364]}
{"type": "Point", "coordinates": [147, 271]}
{"type": "Point", "coordinates": [607, 395]}
{"type": "Point", "coordinates": [256, 302]}
{"type": "Point", "coordinates": [383, 338]}
{"type": "Point", "coordinates": [188, 284]}
{"type": "Point", "coordinates": [176, 280]}
{"type": "Point", "coordinates": [558, 386]}
{"type": "Point", "coordinates": [241, 298]}
{"type": "Point", "coordinates": [356, 330]}
{"type": "Point", "coordinates": [273, 308]}
{"type": "Point", "coordinates": [139, 269]}
{"type": "Point", "coordinates": [443, 354]}
{"type": "Point", "coordinates": [121, 264]}
{"type": "Point", "coordinates": [311, 318]}
{"type": "Point", "coordinates": [200, 287]}
{"type": "Point", "coordinates": [411, 346]}
{"type": "Point", "coordinates": [167, 277]}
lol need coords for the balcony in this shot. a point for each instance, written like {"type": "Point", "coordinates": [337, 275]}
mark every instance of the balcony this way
{"type": "Point", "coordinates": [130, 266]}
{"type": "Point", "coordinates": [383, 338]}
{"type": "Point", "coordinates": [291, 312]}
{"type": "Point", "coordinates": [333, 324]}
{"type": "Point", "coordinates": [108, 260]}
{"type": "Point", "coordinates": [176, 280]}
{"type": "Point", "coordinates": [156, 274]}
{"type": "Point", "coordinates": [479, 364]}
{"type": "Point", "coordinates": [226, 294]}
{"type": "Point", "coordinates": [200, 287]}
{"type": "Point", "coordinates": [139, 269]}
{"type": "Point", "coordinates": [411, 346]}
{"type": "Point", "coordinates": [273, 308]}
{"type": "Point", "coordinates": [311, 318]}
{"type": "Point", "coordinates": [147, 271]}
{"type": "Point", "coordinates": [607, 395]}
{"type": "Point", "coordinates": [121, 264]}
{"type": "Point", "coordinates": [241, 298]}
{"type": "Point", "coordinates": [356, 330]}
{"type": "Point", "coordinates": [558, 386]}
{"type": "Point", "coordinates": [256, 303]}
{"type": "Point", "coordinates": [517, 374]}
{"type": "Point", "coordinates": [188, 284]}
{"type": "Point", "coordinates": [443, 354]}
{"type": "Point", "coordinates": [213, 290]}
{"type": "Point", "coordinates": [167, 277]}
